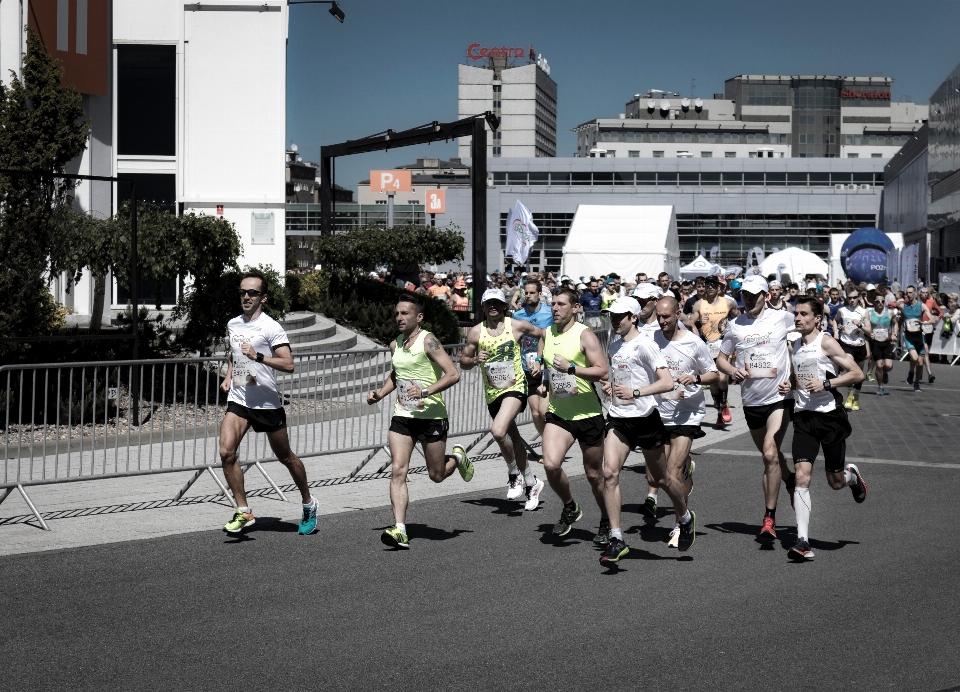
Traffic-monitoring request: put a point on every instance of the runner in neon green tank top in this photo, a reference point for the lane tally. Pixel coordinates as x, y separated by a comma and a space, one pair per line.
421, 370
494, 345
574, 361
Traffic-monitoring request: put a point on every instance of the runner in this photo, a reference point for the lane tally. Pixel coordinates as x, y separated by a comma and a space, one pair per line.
494, 344
421, 370
574, 361
819, 421
638, 372
913, 313
834, 305
849, 324
682, 409
711, 315
927, 326
647, 295
539, 315
777, 301
258, 346
756, 341
881, 329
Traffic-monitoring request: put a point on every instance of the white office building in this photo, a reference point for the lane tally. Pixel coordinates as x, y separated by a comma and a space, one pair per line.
760, 116
188, 99
524, 97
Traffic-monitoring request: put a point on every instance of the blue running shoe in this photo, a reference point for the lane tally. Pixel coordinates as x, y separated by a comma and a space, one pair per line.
308, 523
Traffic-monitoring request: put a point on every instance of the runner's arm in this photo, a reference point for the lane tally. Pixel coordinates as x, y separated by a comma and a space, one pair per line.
693, 323
734, 312
590, 346
468, 359
282, 358
438, 355
852, 374
389, 384
727, 368
225, 385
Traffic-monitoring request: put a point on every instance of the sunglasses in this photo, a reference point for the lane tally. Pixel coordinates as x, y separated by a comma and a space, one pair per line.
250, 292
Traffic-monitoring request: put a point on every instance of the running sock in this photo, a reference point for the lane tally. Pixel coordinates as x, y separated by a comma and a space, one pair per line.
402, 527
246, 510
310, 504
570, 505
686, 518
802, 507
857, 386
772, 513
616, 533
458, 458
512, 469
851, 477
653, 495
528, 477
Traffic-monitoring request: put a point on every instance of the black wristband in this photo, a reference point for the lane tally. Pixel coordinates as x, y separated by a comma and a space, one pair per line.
698, 380
827, 384
259, 357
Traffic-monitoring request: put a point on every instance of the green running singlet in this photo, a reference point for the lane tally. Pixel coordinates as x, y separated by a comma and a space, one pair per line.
571, 397
413, 364
503, 369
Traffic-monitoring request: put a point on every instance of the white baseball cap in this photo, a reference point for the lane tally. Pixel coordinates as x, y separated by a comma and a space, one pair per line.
647, 290
774, 283
812, 285
754, 284
493, 294
581, 287
624, 305
871, 287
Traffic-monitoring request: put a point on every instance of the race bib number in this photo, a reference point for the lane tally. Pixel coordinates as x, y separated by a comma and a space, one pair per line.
676, 393
530, 359
759, 362
242, 376
407, 402
620, 378
913, 325
500, 375
927, 327
880, 334
714, 348
563, 384
806, 371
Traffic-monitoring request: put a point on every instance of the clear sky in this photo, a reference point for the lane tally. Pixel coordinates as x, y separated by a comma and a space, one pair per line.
393, 65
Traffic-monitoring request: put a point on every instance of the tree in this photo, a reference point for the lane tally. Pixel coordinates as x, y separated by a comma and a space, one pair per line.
42, 128
364, 249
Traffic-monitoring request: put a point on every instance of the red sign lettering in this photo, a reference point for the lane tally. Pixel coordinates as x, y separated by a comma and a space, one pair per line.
476, 52
850, 94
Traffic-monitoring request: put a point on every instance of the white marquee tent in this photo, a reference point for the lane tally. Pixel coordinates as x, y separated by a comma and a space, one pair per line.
623, 239
701, 266
797, 264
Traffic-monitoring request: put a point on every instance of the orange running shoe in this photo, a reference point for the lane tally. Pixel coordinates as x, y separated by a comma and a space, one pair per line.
768, 530
725, 414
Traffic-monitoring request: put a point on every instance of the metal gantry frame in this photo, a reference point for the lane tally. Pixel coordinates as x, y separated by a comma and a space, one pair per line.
474, 126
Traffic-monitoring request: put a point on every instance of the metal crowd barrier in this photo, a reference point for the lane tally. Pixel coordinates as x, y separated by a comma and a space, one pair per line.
69, 422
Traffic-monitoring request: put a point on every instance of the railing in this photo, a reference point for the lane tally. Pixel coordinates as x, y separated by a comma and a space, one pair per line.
84, 421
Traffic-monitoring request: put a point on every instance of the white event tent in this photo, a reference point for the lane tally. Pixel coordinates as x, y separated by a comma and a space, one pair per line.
701, 266
623, 239
797, 264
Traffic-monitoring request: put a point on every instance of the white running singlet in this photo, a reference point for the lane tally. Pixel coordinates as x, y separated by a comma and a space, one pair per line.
850, 323
810, 363
254, 384
687, 356
760, 346
633, 364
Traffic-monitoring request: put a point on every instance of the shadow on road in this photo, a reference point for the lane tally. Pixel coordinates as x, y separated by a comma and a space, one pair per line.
512, 508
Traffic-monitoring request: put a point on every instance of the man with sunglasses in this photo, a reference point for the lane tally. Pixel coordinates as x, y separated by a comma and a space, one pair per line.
848, 324
258, 347
882, 331
711, 316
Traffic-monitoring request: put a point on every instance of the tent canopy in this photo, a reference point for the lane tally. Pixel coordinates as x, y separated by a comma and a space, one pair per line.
700, 267
797, 263
623, 239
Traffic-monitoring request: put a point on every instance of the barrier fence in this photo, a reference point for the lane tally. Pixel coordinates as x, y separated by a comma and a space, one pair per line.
71, 422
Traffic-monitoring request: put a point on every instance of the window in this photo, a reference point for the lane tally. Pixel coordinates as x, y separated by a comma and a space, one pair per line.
147, 100
753, 154
706, 154
644, 178
853, 156
611, 153
658, 154
730, 154
633, 154
876, 156
496, 151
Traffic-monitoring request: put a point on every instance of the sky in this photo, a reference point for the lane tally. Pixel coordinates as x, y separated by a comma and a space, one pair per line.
393, 65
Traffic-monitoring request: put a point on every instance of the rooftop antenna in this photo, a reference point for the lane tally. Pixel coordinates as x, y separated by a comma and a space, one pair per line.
693, 85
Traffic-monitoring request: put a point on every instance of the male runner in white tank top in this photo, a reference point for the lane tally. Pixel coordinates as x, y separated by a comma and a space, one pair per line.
819, 420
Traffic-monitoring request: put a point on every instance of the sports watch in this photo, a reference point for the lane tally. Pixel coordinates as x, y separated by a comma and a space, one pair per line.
259, 357
827, 384
636, 393
571, 369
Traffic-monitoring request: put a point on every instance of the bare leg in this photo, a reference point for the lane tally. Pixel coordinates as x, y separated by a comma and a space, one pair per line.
556, 442
232, 431
615, 453
678, 457
593, 467
440, 465
768, 440
656, 460
280, 444
538, 409
506, 434
401, 447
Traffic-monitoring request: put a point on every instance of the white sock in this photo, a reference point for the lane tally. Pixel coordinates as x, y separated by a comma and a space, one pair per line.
528, 477
458, 456
245, 510
851, 477
653, 495
802, 506
312, 500
402, 527
686, 518
616, 533
512, 469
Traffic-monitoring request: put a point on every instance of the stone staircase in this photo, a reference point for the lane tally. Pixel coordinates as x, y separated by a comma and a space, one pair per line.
313, 333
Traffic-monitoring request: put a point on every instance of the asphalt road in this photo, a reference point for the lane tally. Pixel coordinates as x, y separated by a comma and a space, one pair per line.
483, 600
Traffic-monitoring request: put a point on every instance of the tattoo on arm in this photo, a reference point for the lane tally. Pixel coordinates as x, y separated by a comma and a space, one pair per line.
433, 343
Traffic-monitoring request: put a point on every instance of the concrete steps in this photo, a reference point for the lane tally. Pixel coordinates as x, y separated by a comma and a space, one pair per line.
313, 333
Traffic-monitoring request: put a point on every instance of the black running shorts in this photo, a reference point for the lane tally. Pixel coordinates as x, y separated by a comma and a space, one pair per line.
533, 383
262, 420
756, 416
694, 432
813, 430
881, 350
858, 353
494, 406
914, 341
647, 432
586, 431
421, 429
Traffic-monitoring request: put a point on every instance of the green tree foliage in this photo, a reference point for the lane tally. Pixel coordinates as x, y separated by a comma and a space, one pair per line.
367, 248
42, 127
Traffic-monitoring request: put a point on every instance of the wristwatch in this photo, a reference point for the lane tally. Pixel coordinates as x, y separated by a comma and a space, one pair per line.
698, 380
636, 393
259, 357
571, 369
827, 384
424, 393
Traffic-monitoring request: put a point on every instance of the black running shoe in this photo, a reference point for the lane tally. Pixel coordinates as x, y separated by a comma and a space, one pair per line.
649, 508
688, 533
615, 550
801, 551
859, 489
567, 518
930, 379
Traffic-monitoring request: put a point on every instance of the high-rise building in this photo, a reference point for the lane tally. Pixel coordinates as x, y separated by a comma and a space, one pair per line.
523, 96
765, 116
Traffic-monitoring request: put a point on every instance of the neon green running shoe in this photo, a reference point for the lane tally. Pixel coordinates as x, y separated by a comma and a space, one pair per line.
465, 467
241, 520
395, 538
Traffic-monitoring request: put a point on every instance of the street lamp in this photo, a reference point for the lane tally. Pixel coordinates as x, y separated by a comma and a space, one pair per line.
334, 7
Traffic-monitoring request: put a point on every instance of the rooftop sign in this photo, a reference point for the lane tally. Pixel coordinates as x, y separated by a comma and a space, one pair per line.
476, 52
850, 94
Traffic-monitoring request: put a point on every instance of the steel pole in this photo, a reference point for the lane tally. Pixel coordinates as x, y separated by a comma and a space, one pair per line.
478, 172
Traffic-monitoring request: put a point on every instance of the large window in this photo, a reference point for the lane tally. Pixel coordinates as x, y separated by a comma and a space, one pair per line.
147, 100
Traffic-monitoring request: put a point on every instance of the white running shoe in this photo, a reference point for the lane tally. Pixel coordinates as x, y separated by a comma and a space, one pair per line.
688, 477
515, 487
674, 537
533, 495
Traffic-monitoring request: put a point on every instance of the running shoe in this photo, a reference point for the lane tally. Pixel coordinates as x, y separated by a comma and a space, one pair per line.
930, 379
674, 537
616, 549
886, 377
688, 533
649, 508
916, 388
910, 376
791, 483
533, 495
515, 487
567, 518
848, 404
801, 551
768, 530
725, 414
688, 476
856, 404
871, 378
241, 520
880, 391
859, 489
464, 467
395, 538
308, 522
603, 533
